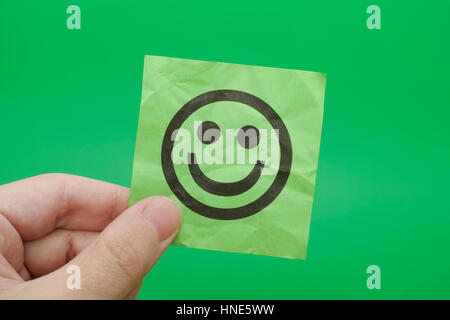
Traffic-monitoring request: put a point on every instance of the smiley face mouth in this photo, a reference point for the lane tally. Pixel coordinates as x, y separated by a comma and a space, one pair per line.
224, 188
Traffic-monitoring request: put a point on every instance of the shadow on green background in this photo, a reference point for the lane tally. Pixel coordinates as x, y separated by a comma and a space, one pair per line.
70, 103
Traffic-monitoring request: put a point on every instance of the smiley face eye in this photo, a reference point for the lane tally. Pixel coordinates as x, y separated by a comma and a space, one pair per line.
248, 137
208, 132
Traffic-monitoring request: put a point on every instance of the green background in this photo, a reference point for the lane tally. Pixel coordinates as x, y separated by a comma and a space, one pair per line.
69, 102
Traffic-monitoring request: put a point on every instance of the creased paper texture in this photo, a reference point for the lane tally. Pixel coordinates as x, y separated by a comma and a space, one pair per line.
236, 147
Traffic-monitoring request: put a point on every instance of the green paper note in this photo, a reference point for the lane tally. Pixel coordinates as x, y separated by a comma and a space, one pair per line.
236, 147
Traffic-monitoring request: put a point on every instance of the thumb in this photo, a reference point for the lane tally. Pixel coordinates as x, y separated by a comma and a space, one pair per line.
115, 264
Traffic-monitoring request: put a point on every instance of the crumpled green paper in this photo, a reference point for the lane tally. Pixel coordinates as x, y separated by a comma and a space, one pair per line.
269, 215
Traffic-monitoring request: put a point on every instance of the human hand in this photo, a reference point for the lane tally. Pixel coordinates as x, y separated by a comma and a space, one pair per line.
50, 220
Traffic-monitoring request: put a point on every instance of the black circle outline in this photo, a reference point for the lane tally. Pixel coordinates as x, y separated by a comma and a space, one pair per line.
285, 155
205, 126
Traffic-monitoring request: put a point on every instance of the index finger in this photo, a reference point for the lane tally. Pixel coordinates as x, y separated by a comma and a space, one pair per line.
38, 205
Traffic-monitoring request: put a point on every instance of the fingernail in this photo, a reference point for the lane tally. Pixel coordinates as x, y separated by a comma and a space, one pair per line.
164, 214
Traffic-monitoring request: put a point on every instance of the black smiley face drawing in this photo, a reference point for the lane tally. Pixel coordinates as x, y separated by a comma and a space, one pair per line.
221, 188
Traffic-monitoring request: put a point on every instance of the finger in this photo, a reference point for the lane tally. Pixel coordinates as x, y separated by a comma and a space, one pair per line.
7, 271
120, 257
23, 273
54, 250
11, 247
38, 205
